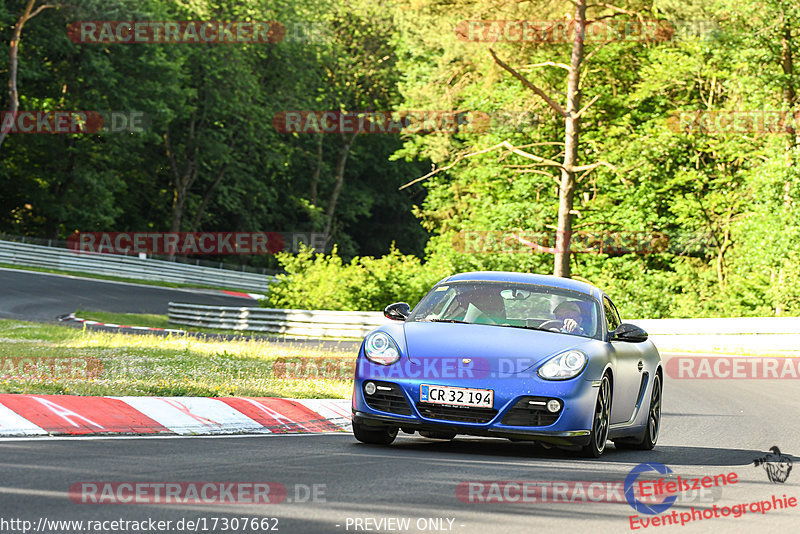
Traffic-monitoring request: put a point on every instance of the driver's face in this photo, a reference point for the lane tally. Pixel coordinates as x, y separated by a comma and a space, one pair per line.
569, 311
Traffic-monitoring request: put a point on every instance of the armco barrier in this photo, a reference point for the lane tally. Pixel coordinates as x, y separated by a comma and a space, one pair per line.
758, 335
130, 267
288, 322
746, 335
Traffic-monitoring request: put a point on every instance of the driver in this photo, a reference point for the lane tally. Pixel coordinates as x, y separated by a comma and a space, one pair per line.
569, 313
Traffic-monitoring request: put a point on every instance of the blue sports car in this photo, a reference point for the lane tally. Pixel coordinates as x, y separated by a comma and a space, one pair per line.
511, 355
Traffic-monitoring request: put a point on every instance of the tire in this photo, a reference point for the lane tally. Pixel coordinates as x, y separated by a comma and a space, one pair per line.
600, 422
376, 436
650, 436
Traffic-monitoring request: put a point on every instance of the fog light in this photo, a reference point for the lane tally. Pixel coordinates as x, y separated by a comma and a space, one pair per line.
369, 388
553, 405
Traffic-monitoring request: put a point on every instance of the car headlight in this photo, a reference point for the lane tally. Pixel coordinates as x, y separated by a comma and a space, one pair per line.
563, 366
380, 348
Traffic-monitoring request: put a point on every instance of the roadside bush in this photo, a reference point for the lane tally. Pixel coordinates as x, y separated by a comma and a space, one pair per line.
324, 282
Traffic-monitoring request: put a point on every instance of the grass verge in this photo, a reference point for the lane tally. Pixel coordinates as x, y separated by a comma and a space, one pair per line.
42, 358
162, 321
129, 319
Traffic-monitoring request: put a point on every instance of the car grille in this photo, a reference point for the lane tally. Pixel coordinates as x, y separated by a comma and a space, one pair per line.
462, 414
525, 414
389, 400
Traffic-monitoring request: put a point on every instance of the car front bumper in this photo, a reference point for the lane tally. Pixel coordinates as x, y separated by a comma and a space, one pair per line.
570, 426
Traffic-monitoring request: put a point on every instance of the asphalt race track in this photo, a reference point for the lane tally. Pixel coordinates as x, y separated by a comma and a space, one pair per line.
43, 297
710, 427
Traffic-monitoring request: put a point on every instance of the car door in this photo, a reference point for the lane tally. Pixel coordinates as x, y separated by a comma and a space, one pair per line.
627, 376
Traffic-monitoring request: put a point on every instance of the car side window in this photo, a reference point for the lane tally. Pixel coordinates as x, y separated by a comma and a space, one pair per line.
612, 317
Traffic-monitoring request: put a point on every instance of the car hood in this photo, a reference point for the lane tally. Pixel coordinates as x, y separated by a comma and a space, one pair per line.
491, 348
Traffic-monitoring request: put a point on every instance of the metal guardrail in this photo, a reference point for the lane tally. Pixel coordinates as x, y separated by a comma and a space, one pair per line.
214, 264
27, 255
310, 323
739, 335
756, 335
725, 326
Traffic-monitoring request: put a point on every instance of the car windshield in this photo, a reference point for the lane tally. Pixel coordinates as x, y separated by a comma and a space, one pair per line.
511, 304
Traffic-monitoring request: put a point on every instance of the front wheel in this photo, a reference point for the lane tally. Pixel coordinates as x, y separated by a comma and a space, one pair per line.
654, 417
648, 440
374, 436
602, 418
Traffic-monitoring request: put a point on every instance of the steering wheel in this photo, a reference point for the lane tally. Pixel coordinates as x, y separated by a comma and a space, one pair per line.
554, 324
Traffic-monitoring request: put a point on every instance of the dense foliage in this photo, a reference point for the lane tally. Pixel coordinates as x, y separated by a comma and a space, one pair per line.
718, 206
211, 160
324, 282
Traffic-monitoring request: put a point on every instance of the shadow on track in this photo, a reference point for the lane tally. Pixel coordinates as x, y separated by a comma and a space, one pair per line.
502, 449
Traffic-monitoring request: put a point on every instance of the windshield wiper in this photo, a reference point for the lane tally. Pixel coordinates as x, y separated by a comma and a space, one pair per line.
497, 324
527, 327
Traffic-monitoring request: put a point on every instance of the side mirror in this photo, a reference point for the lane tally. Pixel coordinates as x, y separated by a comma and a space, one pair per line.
399, 311
628, 332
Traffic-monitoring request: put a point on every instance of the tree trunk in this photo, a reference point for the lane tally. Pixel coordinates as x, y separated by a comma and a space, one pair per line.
181, 181
790, 98
317, 170
337, 189
726, 243
207, 198
13, 60
59, 189
566, 189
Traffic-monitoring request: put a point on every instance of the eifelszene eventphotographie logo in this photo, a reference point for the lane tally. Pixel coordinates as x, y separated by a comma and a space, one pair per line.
630, 486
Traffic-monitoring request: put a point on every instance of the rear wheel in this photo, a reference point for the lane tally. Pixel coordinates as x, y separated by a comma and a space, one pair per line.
374, 435
602, 418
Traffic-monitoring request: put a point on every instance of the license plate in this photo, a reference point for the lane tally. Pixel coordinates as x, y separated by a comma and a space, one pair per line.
481, 398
